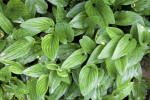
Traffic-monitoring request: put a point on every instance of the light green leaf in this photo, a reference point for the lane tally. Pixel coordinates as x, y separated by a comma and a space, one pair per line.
2, 45
5, 24
99, 8
121, 64
114, 32
50, 45
75, 75
64, 32
62, 73
125, 45
128, 2
100, 76
5, 74
76, 10
109, 2
88, 78
39, 24
36, 70
41, 6
103, 38
79, 20
108, 49
125, 18
62, 2
87, 44
16, 68
93, 59
138, 71
17, 49
30, 4
75, 59
124, 91
42, 84
52, 66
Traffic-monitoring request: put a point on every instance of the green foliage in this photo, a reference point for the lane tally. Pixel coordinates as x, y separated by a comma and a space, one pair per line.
73, 49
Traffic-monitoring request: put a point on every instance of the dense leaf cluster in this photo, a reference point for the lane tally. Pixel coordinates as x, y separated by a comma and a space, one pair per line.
73, 49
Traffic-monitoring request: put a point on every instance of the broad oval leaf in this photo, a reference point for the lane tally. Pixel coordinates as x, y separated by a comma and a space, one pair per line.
39, 24
99, 8
5, 74
75, 59
87, 44
50, 45
17, 49
16, 68
88, 78
5, 24
125, 45
42, 84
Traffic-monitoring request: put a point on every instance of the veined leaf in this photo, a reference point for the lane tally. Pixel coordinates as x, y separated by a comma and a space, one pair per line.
16, 68
100, 76
52, 66
41, 6
76, 10
103, 39
50, 45
109, 2
125, 45
114, 32
5, 74
99, 8
17, 49
87, 44
42, 84
36, 70
5, 24
88, 78
64, 32
39, 24
62, 73
2, 45
30, 4
75, 59
62, 2
138, 71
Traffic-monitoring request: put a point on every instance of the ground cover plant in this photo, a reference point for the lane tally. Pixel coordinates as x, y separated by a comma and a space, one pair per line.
73, 49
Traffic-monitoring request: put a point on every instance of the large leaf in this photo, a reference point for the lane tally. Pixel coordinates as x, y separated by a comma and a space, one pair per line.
76, 10
16, 68
39, 24
125, 45
30, 4
50, 45
17, 49
75, 59
88, 78
36, 70
99, 8
125, 18
87, 44
42, 84
5, 24
62, 2
64, 32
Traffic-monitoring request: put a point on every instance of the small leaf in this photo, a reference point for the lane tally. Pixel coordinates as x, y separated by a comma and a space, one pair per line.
75, 59
52, 66
87, 44
36, 70
103, 39
88, 78
50, 45
43, 24
62, 2
42, 84
125, 45
5, 74
138, 71
62, 73
5, 24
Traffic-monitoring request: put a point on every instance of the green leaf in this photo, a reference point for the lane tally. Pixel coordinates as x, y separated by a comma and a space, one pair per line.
52, 66
128, 2
16, 9
100, 76
42, 84
87, 44
125, 18
93, 59
39, 24
121, 64
75, 59
67, 79
103, 38
139, 90
59, 91
124, 91
2, 45
107, 97
65, 50
109, 82
109, 2
108, 49
41, 6
50, 45
138, 71
36, 70
5, 24
114, 32
111, 68
125, 45
76, 10
64, 32
141, 5
88, 78
17, 49
79, 21
62, 2
5, 74
99, 8
62, 73
54, 81
75, 75
16, 68
30, 4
